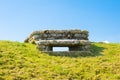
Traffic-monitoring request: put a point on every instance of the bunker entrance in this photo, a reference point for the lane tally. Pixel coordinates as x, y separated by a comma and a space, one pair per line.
55, 49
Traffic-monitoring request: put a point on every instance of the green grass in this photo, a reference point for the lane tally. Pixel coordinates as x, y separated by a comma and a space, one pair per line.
22, 61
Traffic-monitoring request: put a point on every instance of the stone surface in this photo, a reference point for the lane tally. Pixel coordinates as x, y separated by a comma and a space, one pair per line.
63, 42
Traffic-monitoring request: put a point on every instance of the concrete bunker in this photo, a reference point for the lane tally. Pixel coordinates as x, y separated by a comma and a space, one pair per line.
75, 40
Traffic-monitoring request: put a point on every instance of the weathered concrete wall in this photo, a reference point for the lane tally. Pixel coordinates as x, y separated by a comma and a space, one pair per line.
73, 45
57, 34
61, 42
76, 40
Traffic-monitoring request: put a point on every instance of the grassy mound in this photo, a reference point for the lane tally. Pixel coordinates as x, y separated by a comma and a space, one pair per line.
21, 61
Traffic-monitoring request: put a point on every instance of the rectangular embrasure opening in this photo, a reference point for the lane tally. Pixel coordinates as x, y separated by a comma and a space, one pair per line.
60, 48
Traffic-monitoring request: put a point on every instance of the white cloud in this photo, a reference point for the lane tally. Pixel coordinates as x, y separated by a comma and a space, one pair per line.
106, 41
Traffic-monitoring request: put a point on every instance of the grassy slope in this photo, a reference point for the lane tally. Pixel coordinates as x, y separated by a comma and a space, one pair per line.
21, 61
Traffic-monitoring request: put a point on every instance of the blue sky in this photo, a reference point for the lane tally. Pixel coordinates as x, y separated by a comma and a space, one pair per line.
18, 18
